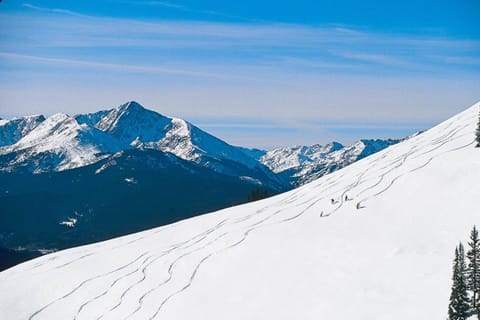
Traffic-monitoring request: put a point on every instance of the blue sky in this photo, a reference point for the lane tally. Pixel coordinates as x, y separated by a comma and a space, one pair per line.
255, 73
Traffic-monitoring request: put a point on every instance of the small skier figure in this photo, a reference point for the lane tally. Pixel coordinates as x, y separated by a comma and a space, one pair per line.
358, 205
346, 198
332, 200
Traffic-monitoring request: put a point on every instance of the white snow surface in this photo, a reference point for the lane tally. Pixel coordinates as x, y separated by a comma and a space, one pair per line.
292, 256
14, 129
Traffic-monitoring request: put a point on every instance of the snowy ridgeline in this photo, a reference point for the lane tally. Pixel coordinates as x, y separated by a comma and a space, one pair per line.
303, 164
62, 142
292, 256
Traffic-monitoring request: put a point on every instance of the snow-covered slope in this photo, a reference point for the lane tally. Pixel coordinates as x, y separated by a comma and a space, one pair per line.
58, 143
303, 164
292, 256
15, 129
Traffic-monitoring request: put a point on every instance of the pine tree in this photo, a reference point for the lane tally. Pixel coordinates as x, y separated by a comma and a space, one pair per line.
477, 133
473, 270
452, 307
459, 303
257, 194
462, 283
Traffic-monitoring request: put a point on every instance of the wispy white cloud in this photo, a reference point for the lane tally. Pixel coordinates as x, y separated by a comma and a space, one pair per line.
167, 4
461, 60
190, 9
279, 47
109, 66
376, 58
263, 34
54, 10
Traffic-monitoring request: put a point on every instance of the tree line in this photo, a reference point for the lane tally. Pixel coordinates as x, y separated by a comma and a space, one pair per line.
465, 292
477, 133
257, 194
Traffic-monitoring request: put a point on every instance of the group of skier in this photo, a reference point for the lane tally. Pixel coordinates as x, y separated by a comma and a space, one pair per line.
358, 206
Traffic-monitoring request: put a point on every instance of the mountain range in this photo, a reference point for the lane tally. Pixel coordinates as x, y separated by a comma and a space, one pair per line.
61, 142
302, 164
71, 180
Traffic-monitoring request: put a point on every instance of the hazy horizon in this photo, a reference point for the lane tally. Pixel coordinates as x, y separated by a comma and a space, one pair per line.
234, 130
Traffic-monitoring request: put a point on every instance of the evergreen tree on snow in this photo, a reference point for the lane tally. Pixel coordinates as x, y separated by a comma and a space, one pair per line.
477, 134
257, 194
473, 270
459, 302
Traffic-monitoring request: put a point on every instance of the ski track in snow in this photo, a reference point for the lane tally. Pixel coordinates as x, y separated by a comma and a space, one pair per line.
81, 285
252, 227
196, 239
242, 239
233, 231
391, 182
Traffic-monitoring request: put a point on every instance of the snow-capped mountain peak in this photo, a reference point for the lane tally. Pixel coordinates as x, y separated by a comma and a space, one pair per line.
128, 122
302, 164
62, 142
55, 127
11, 131
58, 143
